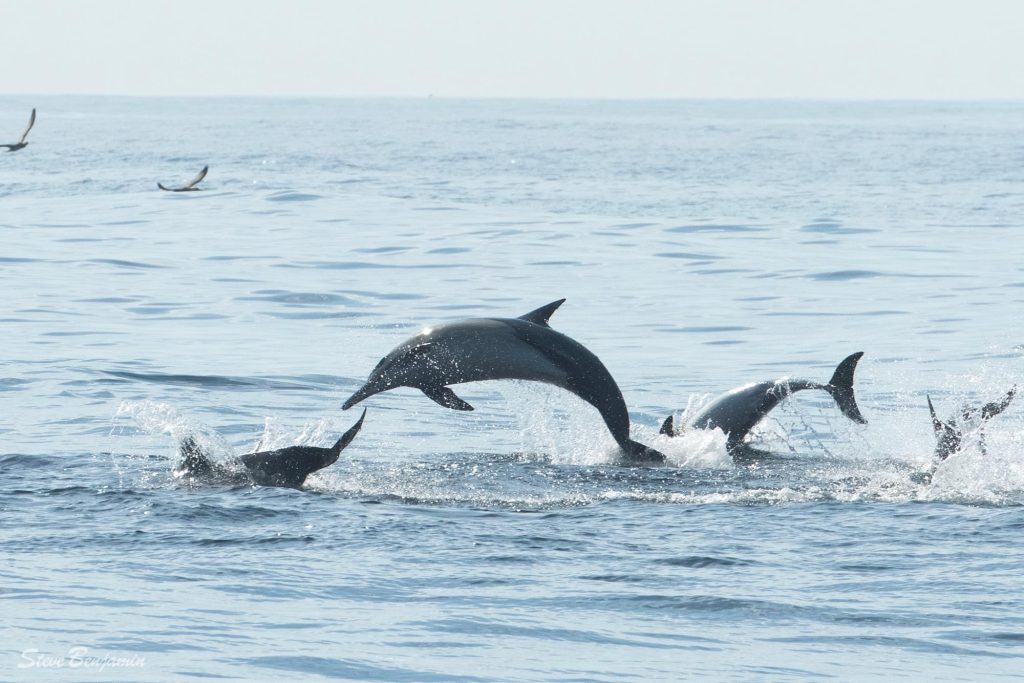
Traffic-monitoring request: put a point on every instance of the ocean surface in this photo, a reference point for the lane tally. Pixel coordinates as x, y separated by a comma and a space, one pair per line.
700, 246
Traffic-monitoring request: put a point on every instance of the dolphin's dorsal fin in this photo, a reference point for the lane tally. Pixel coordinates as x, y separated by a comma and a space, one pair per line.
540, 316
667, 427
447, 398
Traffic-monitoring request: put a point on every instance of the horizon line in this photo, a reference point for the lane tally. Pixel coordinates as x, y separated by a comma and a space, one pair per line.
549, 98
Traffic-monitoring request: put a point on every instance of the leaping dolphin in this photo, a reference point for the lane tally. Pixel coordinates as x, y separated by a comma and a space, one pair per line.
189, 186
285, 467
21, 143
738, 411
949, 435
524, 348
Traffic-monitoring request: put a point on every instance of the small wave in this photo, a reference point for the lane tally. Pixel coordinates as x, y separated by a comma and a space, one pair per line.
25, 461
715, 228
348, 669
831, 228
298, 298
203, 380
703, 561
689, 256
289, 196
120, 263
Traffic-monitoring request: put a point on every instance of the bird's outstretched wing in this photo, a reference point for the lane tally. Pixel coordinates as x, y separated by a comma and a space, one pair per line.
31, 122
188, 187
195, 181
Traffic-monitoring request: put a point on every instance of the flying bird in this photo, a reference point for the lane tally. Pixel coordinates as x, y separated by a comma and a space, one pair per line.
190, 187
21, 142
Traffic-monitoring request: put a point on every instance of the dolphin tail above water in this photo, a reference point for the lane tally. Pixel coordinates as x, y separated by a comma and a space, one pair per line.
346, 438
285, 467
840, 387
949, 435
990, 410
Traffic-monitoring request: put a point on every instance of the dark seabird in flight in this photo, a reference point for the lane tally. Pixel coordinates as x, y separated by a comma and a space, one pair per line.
191, 186
21, 142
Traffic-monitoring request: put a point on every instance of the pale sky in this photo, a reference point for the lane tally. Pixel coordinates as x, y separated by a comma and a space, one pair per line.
855, 49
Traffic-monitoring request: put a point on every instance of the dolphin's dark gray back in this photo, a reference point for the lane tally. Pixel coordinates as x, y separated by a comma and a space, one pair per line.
585, 374
586, 377
738, 411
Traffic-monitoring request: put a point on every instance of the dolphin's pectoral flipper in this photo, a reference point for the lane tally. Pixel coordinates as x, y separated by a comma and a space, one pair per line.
447, 398
667, 427
541, 315
841, 387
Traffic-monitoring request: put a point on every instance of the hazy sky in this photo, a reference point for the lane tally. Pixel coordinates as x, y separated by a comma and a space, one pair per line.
934, 49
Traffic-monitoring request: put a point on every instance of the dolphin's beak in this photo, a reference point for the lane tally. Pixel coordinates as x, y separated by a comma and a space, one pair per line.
365, 391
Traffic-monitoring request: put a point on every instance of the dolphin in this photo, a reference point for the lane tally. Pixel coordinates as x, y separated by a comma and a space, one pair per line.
738, 411
21, 143
524, 348
949, 435
190, 186
285, 467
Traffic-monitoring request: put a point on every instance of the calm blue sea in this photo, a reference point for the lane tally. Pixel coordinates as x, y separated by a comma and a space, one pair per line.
700, 246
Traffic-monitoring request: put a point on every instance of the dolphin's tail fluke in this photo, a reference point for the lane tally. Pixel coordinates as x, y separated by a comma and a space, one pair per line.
990, 410
347, 437
639, 454
841, 388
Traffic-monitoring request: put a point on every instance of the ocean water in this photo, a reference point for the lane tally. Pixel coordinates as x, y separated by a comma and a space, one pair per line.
699, 245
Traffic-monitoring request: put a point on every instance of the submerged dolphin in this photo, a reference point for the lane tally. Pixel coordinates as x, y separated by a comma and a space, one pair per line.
504, 348
738, 411
189, 186
21, 143
949, 435
286, 467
